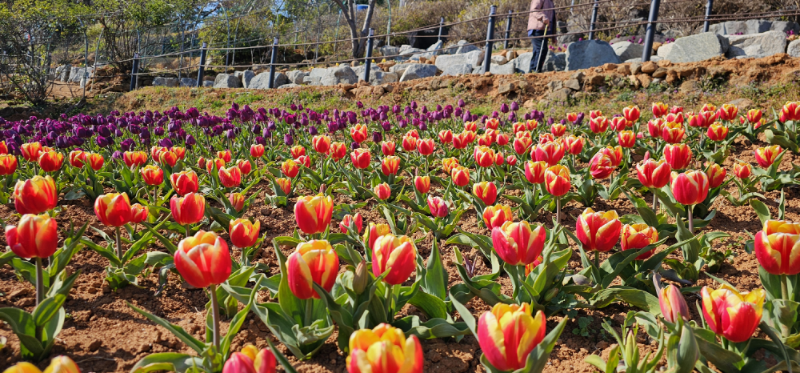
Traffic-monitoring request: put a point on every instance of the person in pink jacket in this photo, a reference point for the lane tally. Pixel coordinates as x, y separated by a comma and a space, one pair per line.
541, 18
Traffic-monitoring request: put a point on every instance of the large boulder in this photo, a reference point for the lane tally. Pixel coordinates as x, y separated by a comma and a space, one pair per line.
552, 62
64, 73
410, 51
589, 53
359, 70
756, 45
475, 57
785, 26
794, 48
227, 81
338, 75
458, 69
208, 84
246, 77
502, 69
380, 77
261, 81
389, 50
418, 71
161, 81
188, 82
752, 26
447, 60
400, 68
465, 47
296, 76
692, 48
626, 50
315, 76
435, 47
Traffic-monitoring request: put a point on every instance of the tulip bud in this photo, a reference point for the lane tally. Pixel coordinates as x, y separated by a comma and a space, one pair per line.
690, 187
551, 152
653, 174
239, 363
313, 261
390, 165
184, 182
358, 133
660, 109
497, 215
777, 247
742, 170
62, 364
460, 176
731, 314
265, 361
673, 305
422, 184
384, 349
484, 156
717, 132
638, 236
35, 236
113, 209
8, 164
517, 243
485, 191
716, 175
387, 148
313, 213
30, 151
225, 155
321, 144
188, 209
679, 156
244, 166
631, 113
598, 231
152, 175
36, 195
95, 161
348, 219
508, 333
360, 158
448, 164
373, 232
601, 166
394, 255
237, 201
139, 213
203, 259
426, 147
51, 161
767, 155
360, 278
383, 191
557, 180
256, 150
290, 168
230, 177
23, 367
437, 206
243, 232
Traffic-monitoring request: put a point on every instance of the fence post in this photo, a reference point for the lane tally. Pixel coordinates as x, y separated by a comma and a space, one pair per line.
368, 64
441, 25
201, 69
594, 19
651, 30
508, 30
487, 58
134, 71
272, 63
709, 5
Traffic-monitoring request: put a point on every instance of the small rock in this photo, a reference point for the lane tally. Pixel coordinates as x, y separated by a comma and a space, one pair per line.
25, 302
636, 68
742, 103
660, 73
601, 345
145, 347
506, 88
19, 293
573, 84
95, 345
555, 85
649, 67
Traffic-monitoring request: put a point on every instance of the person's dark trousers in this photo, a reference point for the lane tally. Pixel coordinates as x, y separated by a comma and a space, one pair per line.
539, 47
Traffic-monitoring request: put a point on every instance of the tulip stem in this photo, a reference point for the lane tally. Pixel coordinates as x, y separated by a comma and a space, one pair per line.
119, 244
655, 203
308, 312
39, 282
187, 231
388, 301
784, 288
214, 315
558, 211
691, 220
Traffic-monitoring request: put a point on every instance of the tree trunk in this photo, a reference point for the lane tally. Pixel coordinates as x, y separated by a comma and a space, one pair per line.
358, 37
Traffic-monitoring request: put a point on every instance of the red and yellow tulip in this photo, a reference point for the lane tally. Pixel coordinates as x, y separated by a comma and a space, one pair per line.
312, 262
508, 333
690, 187
313, 213
35, 236
188, 209
395, 256
243, 232
184, 182
497, 215
36, 195
731, 314
384, 349
638, 236
203, 259
777, 247
598, 231
518, 243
